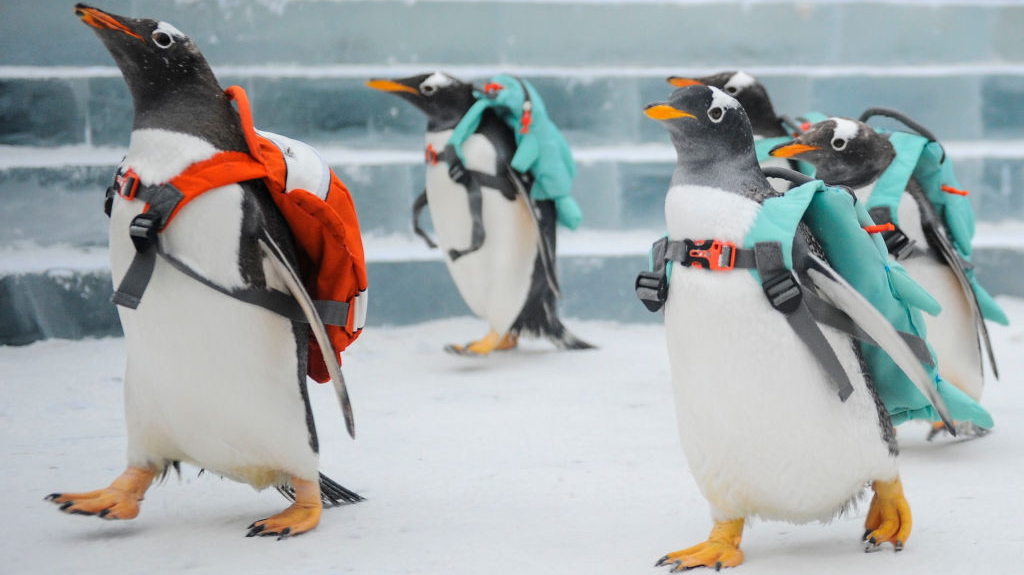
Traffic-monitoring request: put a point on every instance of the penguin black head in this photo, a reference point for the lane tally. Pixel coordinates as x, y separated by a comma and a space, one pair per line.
749, 92
843, 152
713, 140
443, 98
171, 83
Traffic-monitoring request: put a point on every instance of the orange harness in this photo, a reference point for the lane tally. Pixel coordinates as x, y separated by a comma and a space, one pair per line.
326, 233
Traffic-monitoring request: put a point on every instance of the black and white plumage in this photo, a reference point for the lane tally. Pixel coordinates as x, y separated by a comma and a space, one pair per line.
210, 380
764, 434
508, 278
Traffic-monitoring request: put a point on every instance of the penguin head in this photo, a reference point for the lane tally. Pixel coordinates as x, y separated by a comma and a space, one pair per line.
155, 58
748, 91
843, 151
443, 98
704, 123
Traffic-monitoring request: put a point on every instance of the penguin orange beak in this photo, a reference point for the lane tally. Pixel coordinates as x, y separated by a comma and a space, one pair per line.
791, 150
102, 20
665, 112
391, 86
680, 82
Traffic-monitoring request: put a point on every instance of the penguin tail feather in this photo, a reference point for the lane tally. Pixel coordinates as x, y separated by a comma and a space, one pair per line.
332, 493
567, 340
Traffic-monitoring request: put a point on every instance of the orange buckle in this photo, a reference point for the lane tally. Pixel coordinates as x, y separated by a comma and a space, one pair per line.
431, 155
127, 184
491, 90
710, 254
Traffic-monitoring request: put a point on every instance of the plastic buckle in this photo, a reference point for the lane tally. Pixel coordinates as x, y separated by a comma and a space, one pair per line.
431, 155
143, 230
652, 289
127, 184
491, 90
783, 292
898, 244
710, 254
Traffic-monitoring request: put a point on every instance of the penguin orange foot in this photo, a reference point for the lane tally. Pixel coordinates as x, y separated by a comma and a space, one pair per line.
722, 549
118, 501
485, 345
888, 517
301, 516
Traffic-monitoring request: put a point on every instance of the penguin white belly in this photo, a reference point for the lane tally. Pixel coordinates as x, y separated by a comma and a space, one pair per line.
494, 280
210, 380
952, 332
763, 431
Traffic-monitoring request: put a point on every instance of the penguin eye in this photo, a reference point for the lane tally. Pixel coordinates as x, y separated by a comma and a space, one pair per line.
716, 114
162, 39
428, 89
731, 89
838, 144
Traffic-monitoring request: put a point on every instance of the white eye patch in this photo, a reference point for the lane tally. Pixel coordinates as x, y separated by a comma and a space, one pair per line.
739, 81
845, 129
722, 100
169, 29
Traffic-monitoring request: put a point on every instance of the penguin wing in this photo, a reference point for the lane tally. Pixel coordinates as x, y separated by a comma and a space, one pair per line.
936, 237
842, 295
275, 256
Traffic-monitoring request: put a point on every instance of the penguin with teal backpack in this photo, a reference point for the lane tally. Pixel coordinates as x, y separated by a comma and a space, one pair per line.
779, 311
498, 180
907, 184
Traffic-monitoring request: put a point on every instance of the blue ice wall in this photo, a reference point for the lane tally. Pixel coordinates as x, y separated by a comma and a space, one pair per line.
957, 67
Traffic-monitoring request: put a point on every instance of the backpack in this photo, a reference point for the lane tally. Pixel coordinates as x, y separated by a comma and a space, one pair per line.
314, 202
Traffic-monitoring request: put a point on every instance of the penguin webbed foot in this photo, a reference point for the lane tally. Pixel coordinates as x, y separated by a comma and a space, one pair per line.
965, 430
889, 519
120, 500
722, 549
301, 516
485, 345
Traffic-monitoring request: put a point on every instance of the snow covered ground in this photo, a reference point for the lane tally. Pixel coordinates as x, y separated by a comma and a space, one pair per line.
529, 462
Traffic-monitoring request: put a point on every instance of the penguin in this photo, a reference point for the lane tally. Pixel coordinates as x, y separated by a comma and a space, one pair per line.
764, 435
850, 153
210, 380
769, 128
507, 276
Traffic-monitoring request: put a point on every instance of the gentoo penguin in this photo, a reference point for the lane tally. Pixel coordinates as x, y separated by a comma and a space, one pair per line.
503, 260
763, 433
210, 380
769, 128
850, 153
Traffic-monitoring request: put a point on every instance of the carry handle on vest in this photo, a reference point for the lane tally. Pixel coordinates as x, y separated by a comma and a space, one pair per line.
788, 175
906, 121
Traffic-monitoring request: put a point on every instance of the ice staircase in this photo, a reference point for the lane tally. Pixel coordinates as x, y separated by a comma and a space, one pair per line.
65, 116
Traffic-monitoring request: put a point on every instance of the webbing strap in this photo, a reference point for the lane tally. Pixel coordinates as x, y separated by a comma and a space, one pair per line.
475, 181
896, 241
417, 209
784, 294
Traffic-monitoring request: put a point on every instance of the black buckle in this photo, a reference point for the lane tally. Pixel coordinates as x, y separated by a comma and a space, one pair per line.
783, 292
143, 230
652, 289
108, 199
898, 244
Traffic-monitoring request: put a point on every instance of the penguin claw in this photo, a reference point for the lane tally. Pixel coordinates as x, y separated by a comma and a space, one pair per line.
255, 530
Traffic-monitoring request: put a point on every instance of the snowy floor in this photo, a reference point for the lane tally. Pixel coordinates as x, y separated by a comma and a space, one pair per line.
529, 462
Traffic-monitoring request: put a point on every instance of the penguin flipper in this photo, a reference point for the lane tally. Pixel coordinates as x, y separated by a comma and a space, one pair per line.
842, 295
937, 239
275, 256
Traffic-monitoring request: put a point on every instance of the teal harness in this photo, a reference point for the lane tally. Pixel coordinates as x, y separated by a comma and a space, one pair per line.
838, 222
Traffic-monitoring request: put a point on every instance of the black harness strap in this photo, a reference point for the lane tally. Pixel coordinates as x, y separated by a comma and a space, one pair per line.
784, 294
896, 241
474, 181
417, 209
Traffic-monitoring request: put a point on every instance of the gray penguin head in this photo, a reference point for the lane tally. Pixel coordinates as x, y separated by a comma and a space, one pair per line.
442, 97
713, 139
843, 151
748, 91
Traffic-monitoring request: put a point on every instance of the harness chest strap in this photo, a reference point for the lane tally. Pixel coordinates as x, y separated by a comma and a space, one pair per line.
164, 201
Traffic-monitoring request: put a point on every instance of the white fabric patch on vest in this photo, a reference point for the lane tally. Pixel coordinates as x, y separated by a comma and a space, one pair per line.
845, 129
307, 170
